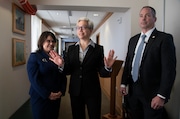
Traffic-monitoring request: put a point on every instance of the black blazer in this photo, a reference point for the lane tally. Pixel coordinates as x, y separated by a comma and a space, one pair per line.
158, 66
85, 76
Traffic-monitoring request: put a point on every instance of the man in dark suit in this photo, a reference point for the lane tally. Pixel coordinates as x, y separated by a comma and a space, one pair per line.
84, 62
151, 88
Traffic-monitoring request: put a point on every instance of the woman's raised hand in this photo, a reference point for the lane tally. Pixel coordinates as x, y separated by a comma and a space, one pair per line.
56, 58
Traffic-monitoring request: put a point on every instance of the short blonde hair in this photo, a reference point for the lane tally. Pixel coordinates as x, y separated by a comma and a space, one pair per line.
90, 23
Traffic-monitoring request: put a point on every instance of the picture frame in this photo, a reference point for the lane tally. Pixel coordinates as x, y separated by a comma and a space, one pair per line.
18, 19
18, 52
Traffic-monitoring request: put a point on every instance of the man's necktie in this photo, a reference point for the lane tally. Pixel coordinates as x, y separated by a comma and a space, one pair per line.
137, 59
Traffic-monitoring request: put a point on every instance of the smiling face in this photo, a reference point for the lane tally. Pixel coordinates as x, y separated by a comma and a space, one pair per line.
47, 41
49, 44
83, 29
147, 19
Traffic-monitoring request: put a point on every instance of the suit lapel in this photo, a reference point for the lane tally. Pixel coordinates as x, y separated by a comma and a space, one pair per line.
76, 53
132, 47
150, 41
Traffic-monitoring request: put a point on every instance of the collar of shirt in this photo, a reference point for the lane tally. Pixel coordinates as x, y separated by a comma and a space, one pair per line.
83, 53
90, 43
148, 34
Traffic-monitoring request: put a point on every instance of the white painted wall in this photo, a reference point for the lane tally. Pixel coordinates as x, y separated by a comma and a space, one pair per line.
115, 34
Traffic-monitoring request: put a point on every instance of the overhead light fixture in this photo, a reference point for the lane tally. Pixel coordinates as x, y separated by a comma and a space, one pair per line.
64, 26
95, 15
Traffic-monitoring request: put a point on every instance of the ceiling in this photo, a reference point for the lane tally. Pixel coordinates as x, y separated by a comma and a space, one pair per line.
63, 22
62, 19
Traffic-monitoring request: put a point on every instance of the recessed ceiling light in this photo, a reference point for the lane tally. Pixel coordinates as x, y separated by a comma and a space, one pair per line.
57, 13
95, 15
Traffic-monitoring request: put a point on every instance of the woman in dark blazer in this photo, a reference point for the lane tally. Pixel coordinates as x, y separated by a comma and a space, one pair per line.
84, 62
157, 69
48, 82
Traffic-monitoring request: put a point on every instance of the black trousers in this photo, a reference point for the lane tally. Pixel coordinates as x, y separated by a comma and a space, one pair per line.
140, 107
79, 104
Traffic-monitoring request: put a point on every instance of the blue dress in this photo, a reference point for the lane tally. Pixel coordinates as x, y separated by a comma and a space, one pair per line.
45, 77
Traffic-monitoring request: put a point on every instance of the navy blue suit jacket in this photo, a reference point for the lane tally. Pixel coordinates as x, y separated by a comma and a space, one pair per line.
158, 66
44, 76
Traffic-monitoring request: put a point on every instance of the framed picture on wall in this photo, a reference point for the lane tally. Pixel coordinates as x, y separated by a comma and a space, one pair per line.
18, 19
18, 52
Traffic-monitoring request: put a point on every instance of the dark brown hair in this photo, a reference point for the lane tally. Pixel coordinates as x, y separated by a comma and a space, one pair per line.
43, 38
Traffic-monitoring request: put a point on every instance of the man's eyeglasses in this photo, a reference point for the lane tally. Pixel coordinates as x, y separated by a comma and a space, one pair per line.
82, 27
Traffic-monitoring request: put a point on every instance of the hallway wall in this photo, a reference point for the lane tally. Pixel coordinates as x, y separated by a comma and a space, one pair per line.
14, 84
172, 25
